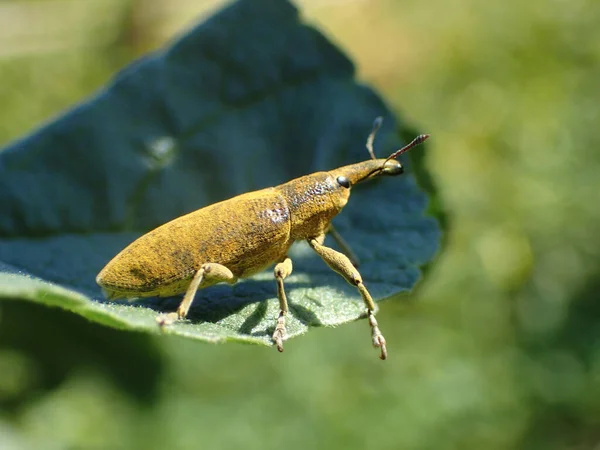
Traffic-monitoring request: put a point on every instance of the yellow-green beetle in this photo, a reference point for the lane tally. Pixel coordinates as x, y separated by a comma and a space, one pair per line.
241, 236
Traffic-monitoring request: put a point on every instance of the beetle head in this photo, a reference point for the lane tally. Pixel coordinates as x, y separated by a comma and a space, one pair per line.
375, 167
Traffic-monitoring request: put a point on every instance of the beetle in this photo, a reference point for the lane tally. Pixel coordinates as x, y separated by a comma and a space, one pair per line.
239, 237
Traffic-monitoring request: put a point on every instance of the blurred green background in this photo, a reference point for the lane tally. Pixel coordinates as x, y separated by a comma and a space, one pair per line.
499, 347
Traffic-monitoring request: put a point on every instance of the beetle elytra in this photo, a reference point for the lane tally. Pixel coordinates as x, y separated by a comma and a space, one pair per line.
241, 236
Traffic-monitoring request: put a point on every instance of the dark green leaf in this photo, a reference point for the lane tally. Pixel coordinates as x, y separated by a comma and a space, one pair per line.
249, 99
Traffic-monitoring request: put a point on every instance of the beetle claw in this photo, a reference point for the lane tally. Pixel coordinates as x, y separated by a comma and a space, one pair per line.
278, 338
279, 335
164, 320
279, 343
379, 341
377, 337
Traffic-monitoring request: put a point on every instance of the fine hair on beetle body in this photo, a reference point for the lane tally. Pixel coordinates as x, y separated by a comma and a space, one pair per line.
243, 235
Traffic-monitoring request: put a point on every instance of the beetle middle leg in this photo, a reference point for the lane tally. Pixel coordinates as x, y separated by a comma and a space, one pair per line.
282, 270
342, 265
209, 273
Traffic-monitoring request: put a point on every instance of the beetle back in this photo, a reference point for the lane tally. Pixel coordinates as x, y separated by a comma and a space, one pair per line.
245, 234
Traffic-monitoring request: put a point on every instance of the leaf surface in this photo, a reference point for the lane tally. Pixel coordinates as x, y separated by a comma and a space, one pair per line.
251, 98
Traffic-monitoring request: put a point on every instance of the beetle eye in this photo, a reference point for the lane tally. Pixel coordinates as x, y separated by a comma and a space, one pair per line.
343, 181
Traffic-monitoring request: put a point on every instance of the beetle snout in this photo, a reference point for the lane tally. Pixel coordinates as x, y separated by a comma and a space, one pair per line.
392, 167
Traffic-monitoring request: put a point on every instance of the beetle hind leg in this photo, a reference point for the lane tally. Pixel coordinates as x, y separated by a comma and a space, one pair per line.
209, 273
282, 270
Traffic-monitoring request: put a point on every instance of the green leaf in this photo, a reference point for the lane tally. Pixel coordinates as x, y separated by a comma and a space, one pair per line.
251, 98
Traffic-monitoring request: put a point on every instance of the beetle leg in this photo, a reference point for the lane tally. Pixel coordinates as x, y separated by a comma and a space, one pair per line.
343, 245
282, 270
209, 273
342, 265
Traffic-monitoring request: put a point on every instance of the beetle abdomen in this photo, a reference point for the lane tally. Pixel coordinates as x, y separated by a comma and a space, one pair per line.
245, 234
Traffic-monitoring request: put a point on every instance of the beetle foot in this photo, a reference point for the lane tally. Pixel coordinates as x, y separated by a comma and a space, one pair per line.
377, 337
280, 334
164, 320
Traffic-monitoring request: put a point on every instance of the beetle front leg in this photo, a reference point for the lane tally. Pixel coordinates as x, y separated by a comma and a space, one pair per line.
343, 245
209, 273
342, 265
282, 271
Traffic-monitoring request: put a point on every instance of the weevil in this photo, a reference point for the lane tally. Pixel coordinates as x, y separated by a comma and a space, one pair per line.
239, 237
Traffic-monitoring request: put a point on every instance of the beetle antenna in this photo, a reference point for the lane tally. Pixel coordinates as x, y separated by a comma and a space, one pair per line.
376, 125
416, 141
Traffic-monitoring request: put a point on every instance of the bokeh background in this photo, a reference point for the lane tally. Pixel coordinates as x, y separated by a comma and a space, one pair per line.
498, 348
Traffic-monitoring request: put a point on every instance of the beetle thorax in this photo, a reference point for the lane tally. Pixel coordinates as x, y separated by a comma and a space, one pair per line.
313, 200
